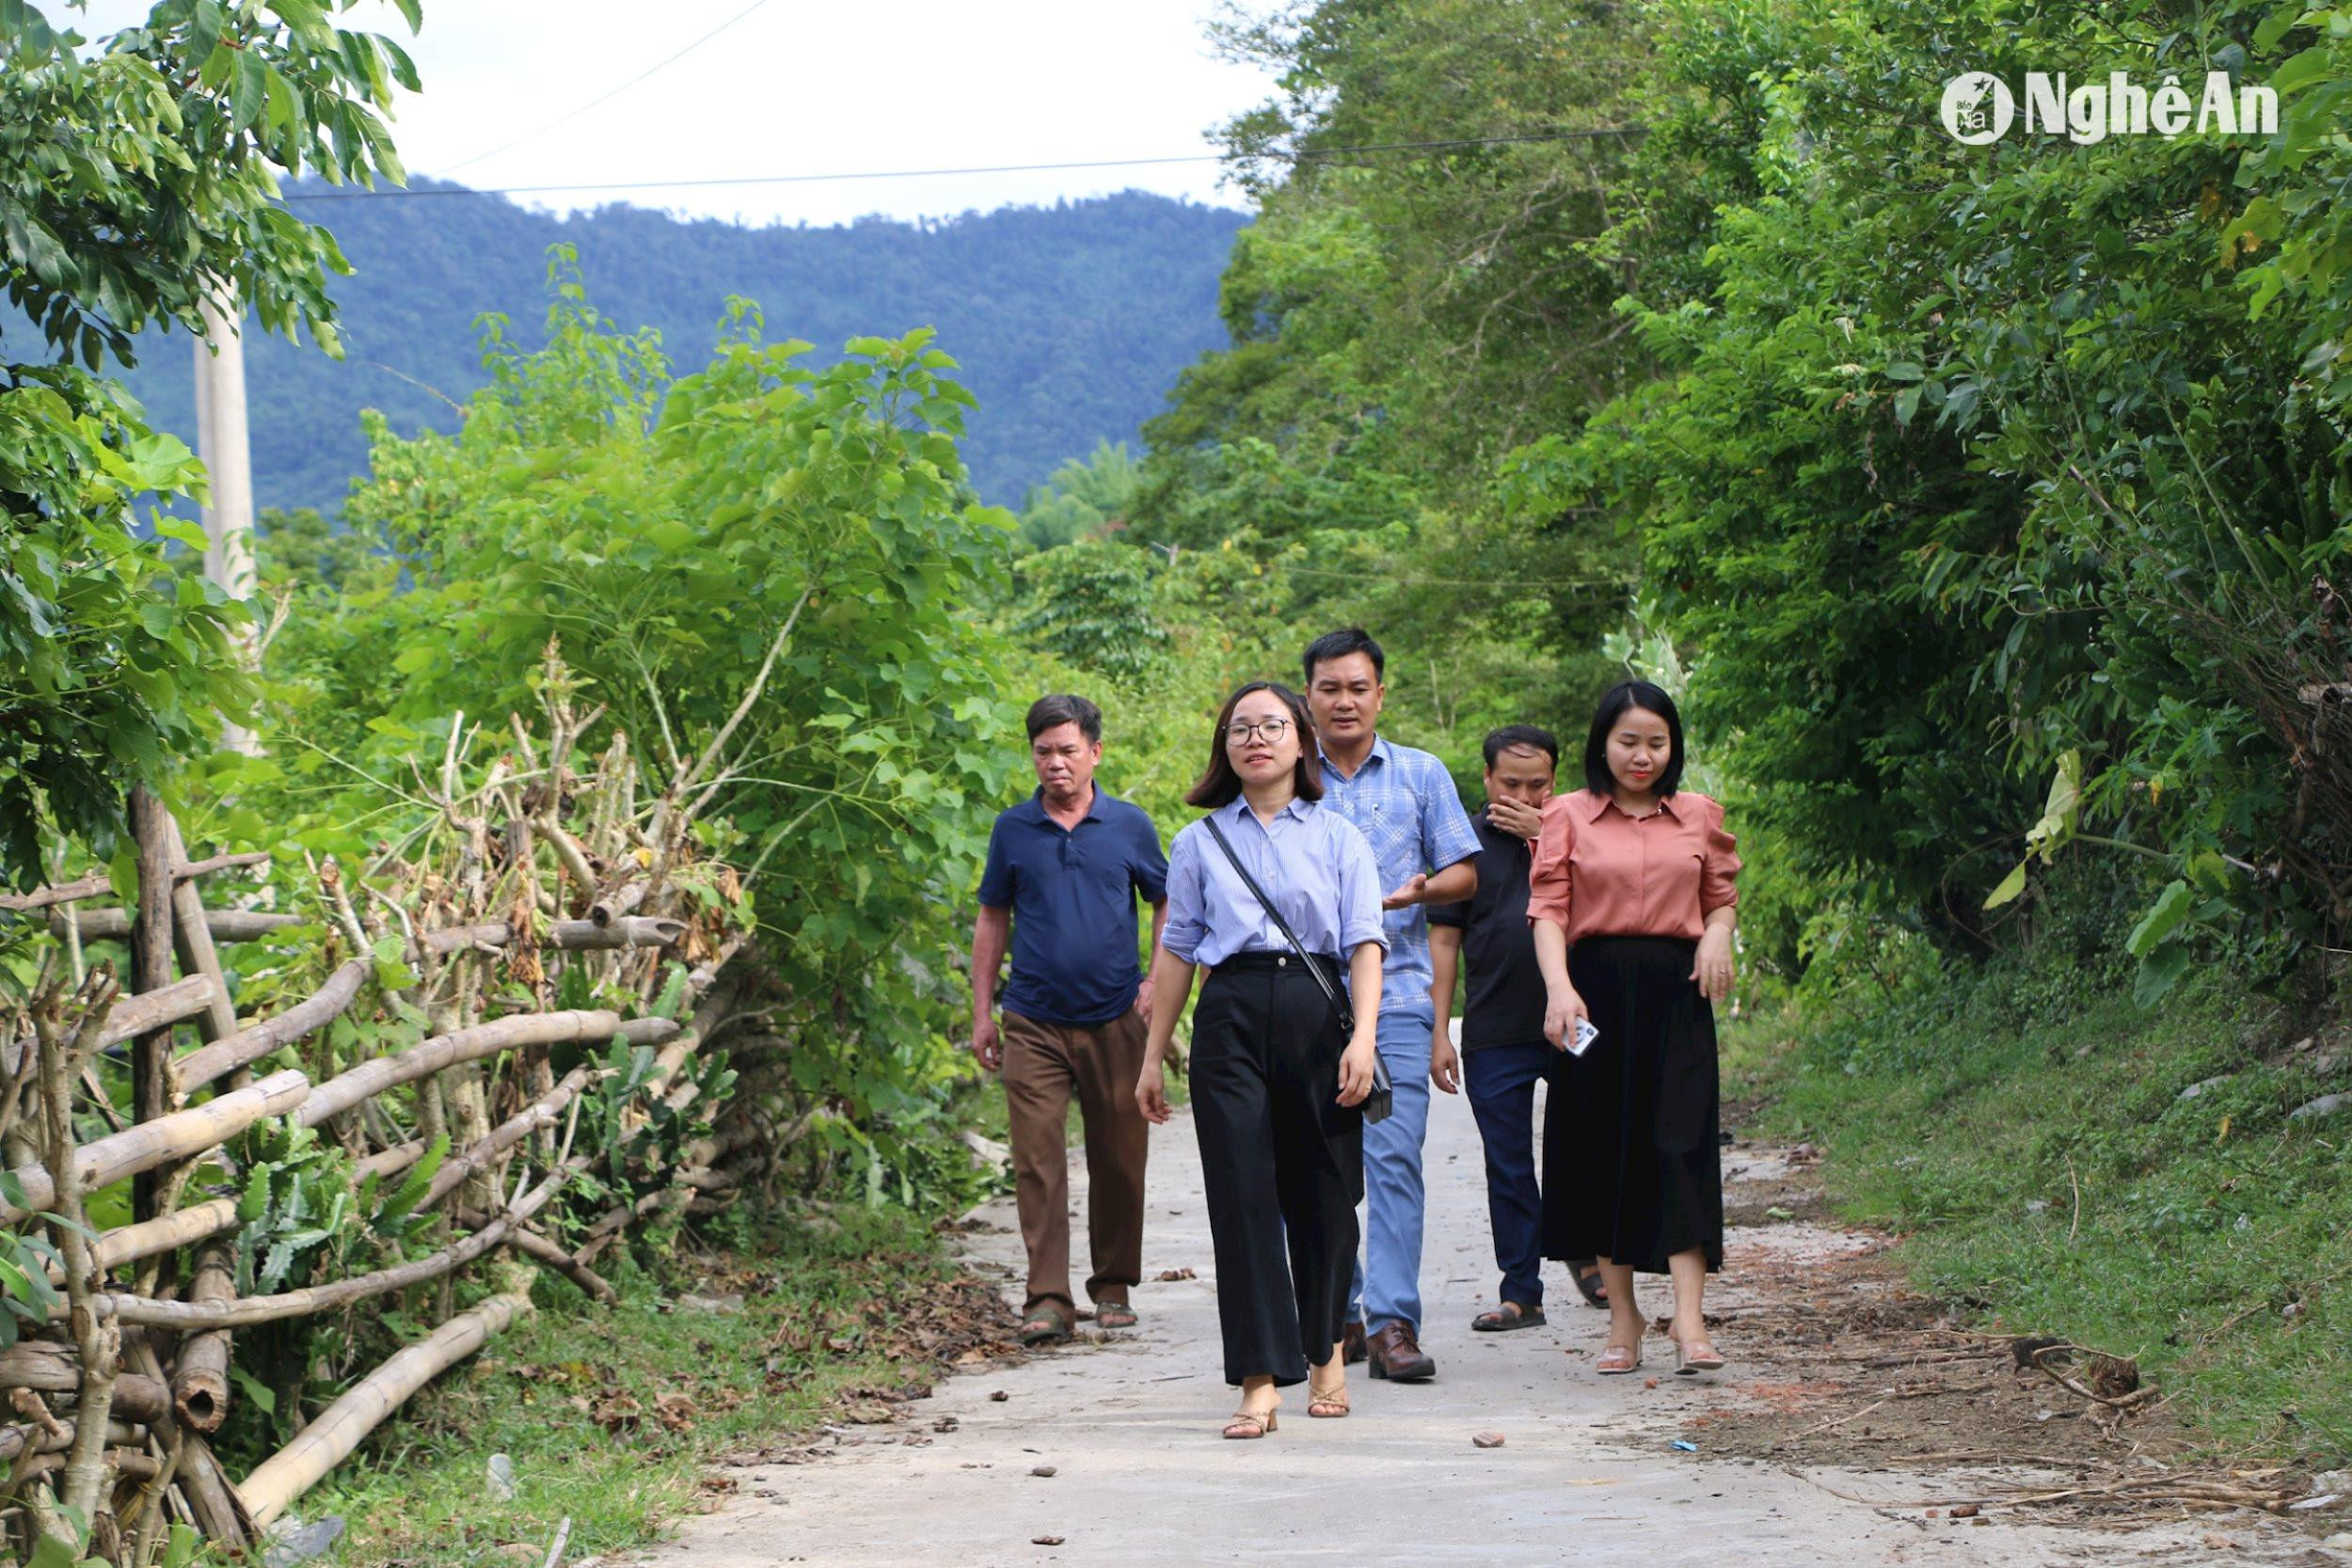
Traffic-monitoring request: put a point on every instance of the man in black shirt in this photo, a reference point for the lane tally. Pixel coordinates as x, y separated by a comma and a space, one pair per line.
1504, 1053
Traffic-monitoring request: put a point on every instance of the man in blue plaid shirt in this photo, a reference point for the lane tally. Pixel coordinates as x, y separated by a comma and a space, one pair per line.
1404, 801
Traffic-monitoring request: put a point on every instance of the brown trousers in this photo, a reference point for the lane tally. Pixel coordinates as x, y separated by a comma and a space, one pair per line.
1044, 1065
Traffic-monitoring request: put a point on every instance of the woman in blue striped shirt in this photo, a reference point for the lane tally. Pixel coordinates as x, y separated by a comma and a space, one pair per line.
1275, 1086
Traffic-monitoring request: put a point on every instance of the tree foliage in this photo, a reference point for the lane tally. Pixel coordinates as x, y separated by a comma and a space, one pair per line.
675, 536
135, 176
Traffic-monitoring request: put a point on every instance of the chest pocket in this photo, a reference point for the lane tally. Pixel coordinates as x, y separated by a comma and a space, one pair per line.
1392, 828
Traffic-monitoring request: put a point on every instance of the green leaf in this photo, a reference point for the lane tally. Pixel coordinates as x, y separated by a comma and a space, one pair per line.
2312, 65
264, 1398
2159, 972
2163, 918
1905, 369
2010, 886
248, 92
2278, 24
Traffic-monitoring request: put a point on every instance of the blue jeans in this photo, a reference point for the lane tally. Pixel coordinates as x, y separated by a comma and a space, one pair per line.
1387, 1283
1500, 1081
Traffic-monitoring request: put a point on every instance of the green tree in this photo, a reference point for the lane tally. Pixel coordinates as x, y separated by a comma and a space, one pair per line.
134, 177
757, 525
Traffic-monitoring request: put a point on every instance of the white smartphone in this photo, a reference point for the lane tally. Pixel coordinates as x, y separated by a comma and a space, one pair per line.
1586, 1035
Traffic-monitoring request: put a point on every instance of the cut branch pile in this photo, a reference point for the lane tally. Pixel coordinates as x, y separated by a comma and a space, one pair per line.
498, 1067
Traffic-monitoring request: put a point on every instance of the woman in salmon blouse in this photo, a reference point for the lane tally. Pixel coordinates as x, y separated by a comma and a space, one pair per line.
1632, 902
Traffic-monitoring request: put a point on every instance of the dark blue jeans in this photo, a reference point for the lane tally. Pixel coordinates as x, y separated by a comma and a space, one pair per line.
1500, 1079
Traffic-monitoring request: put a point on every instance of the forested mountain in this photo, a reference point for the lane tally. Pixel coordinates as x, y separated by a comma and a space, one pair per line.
1069, 322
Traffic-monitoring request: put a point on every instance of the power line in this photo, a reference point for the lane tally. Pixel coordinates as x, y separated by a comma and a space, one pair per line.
1453, 143
607, 98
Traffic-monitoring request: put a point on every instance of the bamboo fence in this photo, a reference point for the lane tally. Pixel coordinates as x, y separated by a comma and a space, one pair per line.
537, 876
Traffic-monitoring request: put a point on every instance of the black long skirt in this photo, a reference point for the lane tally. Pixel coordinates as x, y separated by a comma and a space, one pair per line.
1632, 1172
1282, 1160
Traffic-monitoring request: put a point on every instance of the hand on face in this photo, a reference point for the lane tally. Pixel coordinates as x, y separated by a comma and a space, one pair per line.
1517, 785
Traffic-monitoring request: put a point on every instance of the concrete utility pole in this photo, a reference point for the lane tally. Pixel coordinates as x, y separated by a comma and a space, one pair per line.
222, 443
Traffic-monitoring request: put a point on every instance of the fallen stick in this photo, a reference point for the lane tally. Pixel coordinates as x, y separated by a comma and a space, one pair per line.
91, 886
244, 1311
369, 1079
540, 1250
102, 1162
255, 1041
225, 925
199, 1377
135, 1015
136, 1398
328, 1440
540, 1113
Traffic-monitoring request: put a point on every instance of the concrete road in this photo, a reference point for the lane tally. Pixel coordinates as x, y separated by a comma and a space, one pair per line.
1141, 1479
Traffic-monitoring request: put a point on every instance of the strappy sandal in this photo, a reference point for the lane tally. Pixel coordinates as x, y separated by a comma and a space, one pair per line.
1113, 1314
1327, 1404
1507, 1318
1617, 1361
1696, 1355
1249, 1424
1048, 1325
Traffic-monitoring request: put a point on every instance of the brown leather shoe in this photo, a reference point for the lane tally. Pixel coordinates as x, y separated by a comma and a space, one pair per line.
1396, 1356
1351, 1344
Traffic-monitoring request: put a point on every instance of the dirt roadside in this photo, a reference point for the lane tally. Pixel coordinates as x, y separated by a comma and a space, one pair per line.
1854, 1420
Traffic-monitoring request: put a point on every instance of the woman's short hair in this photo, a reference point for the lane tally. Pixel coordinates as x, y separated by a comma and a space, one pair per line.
1219, 783
1621, 698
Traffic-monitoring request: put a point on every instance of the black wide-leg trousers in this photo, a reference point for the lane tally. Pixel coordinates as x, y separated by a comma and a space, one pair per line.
1282, 1162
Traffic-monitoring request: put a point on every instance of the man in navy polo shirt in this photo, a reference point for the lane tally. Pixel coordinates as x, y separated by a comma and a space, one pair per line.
1064, 868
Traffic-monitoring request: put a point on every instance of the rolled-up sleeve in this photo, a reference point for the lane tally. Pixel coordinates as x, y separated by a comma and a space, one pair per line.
1719, 867
1358, 875
1548, 889
1187, 896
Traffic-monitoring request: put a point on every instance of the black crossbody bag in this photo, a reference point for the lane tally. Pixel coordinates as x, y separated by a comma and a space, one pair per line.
1382, 1099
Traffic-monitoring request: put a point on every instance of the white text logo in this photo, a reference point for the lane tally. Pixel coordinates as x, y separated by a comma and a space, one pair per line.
1978, 108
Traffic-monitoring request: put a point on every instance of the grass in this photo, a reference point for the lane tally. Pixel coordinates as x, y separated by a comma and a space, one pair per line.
610, 1416
2023, 1129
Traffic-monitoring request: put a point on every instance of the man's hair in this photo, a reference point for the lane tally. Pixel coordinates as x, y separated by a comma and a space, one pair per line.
1050, 712
1522, 738
1338, 645
1623, 698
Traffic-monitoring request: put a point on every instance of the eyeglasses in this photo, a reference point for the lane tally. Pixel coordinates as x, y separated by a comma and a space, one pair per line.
1242, 731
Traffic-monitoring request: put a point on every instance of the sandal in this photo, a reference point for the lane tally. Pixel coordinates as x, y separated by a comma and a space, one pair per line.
1113, 1314
1589, 1283
1511, 1315
1046, 1325
1249, 1424
1617, 1361
1696, 1355
1327, 1404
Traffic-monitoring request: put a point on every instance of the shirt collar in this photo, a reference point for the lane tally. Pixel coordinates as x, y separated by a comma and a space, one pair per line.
1596, 802
1381, 752
1294, 808
1094, 810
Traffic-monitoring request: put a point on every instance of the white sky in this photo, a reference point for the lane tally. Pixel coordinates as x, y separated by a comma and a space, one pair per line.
807, 87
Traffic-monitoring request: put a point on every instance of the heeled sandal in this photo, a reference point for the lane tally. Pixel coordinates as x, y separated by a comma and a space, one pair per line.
1696, 1355
1618, 1360
1327, 1404
1249, 1424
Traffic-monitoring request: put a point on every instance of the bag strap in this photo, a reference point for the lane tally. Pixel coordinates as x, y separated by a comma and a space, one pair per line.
1347, 1014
